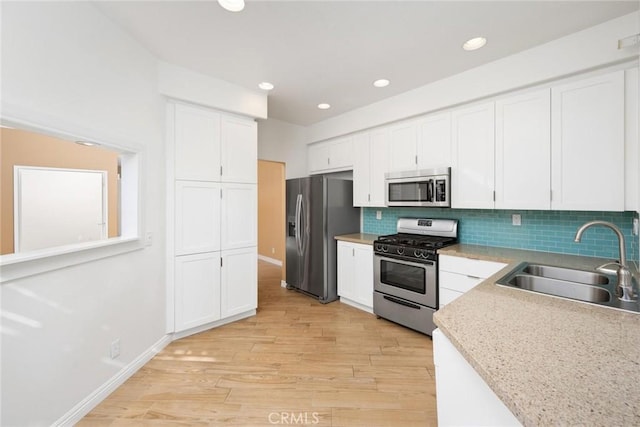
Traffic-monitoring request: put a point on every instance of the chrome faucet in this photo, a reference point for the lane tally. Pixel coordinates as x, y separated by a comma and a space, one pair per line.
624, 288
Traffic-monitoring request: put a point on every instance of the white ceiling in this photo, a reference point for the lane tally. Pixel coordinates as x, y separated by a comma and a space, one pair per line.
332, 51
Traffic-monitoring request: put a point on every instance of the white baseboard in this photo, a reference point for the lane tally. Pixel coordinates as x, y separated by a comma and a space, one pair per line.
270, 260
87, 404
215, 324
356, 305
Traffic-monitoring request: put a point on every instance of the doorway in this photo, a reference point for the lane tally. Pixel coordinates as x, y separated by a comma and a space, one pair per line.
271, 213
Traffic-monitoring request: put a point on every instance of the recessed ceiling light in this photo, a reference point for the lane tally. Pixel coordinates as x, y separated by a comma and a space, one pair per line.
324, 106
232, 5
474, 43
265, 86
381, 83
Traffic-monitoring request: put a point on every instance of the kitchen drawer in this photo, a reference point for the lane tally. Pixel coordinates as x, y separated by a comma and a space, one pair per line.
447, 296
458, 282
470, 267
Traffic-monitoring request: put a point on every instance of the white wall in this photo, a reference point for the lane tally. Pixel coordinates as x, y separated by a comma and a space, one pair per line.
283, 142
65, 65
593, 47
181, 83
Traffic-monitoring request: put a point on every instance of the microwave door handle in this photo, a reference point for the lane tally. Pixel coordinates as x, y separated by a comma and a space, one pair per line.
430, 191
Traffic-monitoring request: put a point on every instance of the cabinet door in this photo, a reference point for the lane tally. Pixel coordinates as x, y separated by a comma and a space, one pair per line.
434, 142
239, 216
472, 174
523, 151
379, 161
341, 153
197, 290
318, 157
239, 150
346, 270
463, 397
361, 170
402, 147
239, 290
197, 143
363, 257
197, 217
587, 144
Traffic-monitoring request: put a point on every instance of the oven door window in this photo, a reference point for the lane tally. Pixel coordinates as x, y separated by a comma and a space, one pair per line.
413, 191
403, 276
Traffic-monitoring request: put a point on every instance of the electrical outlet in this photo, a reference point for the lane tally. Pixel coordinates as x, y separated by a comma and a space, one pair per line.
516, 219
378, 214
273, 250
114, 350
148, 238
635, 226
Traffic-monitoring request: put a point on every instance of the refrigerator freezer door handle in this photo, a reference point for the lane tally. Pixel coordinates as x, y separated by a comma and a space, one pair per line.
298, 209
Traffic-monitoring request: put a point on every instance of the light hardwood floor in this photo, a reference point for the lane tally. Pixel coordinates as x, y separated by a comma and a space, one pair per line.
297, 362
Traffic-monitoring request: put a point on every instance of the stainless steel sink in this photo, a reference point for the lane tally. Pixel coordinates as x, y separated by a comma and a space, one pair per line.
561, 288
580, 285
569, 274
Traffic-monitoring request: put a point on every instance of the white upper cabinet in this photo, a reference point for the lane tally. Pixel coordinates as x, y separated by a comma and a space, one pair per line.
197, 143
239, 150
523, 151
472, 174
239, 216
369, 167
330, 156
403, 146
361, 169
587, 144
197, 217
434, 141
210, 146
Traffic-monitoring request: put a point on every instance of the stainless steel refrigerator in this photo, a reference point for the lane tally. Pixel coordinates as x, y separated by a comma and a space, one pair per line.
318, 209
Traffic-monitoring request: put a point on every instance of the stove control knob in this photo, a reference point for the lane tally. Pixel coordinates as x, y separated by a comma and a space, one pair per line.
385, 248
400, 251
416, 253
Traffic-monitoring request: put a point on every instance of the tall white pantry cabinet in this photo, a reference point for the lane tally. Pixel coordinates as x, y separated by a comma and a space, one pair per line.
212, 217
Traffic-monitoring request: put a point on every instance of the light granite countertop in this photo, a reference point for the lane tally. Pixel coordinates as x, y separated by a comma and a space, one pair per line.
552, 361
363, 238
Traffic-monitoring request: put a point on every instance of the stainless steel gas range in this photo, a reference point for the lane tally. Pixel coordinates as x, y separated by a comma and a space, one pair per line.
405, 269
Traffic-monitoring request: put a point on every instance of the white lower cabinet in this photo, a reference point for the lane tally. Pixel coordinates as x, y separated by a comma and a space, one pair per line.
239, 291
355, 274
197, 291
463, 397
457, 275
213, 286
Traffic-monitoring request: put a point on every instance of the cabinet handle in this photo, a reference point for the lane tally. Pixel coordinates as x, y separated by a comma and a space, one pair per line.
220, 261
220, 170
473, 277
368, 197
328, 160
416, 159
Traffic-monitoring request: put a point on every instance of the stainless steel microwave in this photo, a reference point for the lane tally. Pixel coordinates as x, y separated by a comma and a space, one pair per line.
424, 188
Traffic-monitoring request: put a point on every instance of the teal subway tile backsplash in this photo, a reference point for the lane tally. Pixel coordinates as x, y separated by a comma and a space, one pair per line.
548, 231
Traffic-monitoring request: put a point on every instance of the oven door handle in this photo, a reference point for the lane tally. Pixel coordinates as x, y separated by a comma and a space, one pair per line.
401, 302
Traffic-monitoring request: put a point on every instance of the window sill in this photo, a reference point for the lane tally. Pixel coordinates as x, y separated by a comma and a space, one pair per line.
17, 266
